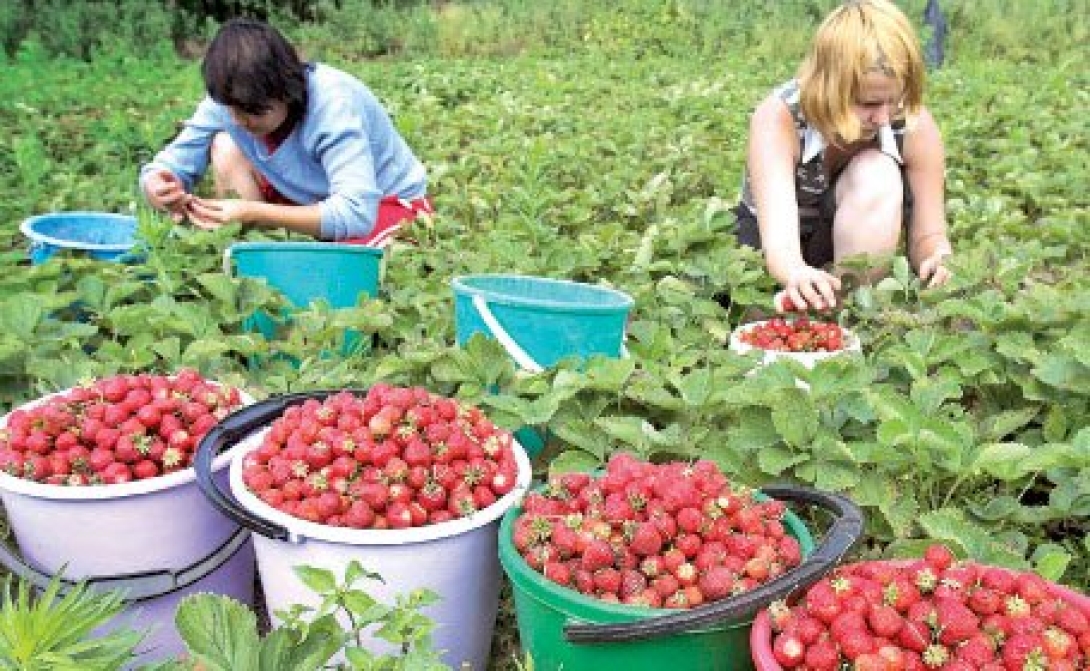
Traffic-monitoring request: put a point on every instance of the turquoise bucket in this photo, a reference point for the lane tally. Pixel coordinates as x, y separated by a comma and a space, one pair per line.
100, 235
309, 271
540, 321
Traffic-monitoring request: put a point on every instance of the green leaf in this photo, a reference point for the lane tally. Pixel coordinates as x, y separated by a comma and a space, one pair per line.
796, 419
951, 525
20, 316
220, 632
318, 580
574, 461
1002, 425
777, 459
1002, 460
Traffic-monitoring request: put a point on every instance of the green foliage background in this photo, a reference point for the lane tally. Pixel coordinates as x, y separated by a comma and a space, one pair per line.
605, 144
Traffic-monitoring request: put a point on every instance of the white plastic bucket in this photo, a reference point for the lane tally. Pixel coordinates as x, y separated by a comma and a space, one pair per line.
458, 560
157, 539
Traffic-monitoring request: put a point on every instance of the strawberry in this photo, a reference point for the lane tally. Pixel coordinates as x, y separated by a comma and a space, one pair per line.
822, 655
1071, 619
597, 554
718, 582
956, 622
884, 621
646, 540
788, 650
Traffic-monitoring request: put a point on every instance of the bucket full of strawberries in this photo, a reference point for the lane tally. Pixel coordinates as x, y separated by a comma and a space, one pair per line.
409, 484
929, 613
98, 485
659, 566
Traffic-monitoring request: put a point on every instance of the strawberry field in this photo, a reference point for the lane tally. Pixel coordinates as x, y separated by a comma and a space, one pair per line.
607, 148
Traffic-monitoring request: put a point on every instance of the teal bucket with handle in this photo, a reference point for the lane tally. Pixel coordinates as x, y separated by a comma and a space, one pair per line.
540, 321
309, 271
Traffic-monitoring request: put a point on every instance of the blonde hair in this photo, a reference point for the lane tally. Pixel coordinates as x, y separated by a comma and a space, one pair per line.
857, 38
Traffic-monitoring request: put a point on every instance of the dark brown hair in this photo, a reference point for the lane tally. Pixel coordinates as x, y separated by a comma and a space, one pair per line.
250, 64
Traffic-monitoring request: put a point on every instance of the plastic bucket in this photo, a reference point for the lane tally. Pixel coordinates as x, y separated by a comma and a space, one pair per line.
540, 321
102, 235
761, 633
457, 560
306, 272
158, 540
563, 629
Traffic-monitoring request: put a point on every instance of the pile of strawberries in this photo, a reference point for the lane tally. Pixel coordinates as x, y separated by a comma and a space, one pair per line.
798, 334
395, 458
932, 613
114, 430
674, 535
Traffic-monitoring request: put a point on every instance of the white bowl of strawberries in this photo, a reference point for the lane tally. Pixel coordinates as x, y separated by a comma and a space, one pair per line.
800, 339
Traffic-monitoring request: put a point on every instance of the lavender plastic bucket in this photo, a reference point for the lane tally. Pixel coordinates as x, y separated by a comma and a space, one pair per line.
458, 560
158, 540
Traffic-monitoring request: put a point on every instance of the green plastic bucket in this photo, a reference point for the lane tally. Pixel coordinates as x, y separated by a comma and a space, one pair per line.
540, 321
308, 271
546, 611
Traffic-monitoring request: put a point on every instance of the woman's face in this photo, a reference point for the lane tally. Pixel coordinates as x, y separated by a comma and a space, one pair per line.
264, 123
880, 100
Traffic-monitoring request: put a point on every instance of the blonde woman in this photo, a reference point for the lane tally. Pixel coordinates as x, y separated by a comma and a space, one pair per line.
845, 156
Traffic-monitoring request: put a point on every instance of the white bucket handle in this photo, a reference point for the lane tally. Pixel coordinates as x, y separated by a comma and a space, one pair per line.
228, 267
521, 357
524, 360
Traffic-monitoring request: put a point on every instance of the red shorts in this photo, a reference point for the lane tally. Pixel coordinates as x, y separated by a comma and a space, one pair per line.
393, 214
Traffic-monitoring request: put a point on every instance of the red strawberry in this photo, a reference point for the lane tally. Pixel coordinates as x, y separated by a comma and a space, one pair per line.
985, 601
938, 557
717, 583
956, 623
884, 621
646, 540
822, 655
597, 554
1073, 620
977, 651
788, 650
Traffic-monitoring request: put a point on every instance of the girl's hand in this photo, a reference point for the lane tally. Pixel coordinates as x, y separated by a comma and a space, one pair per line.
810, 288
211, 214
933, 271
166, 192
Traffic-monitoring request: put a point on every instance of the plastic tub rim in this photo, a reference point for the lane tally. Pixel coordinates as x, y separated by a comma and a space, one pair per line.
570, 597
317, 246
40, 490
27, 229
461, 284
300, 530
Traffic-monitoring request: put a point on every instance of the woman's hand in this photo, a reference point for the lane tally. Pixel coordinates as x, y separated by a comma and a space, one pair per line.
166, 192
211, 214
810, 288
933, 272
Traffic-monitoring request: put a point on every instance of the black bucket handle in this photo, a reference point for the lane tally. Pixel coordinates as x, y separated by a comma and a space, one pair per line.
138, 586
845, 531
227, 433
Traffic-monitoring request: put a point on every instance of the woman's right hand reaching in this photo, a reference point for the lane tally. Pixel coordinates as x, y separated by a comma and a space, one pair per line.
809, 288
166, 192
